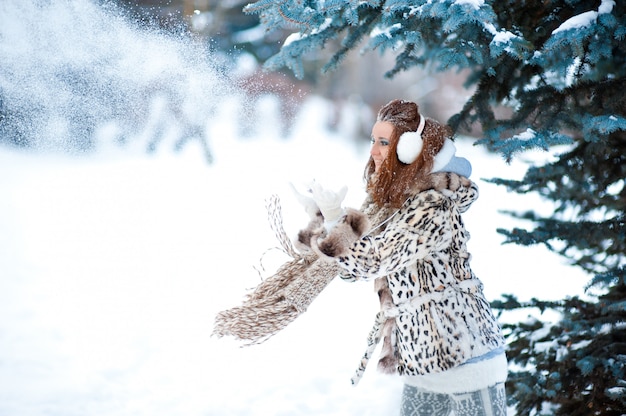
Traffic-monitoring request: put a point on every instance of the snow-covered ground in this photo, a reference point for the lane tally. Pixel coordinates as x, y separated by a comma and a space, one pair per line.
113, 265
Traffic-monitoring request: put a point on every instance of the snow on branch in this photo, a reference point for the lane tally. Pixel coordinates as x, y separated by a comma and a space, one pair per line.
587, 18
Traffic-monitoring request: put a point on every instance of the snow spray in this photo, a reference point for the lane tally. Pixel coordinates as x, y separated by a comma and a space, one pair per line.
74, 73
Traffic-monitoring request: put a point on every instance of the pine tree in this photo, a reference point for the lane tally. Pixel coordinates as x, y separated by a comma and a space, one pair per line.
558, 68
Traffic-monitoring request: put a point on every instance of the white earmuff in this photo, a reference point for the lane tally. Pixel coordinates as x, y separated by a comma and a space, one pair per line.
410, 143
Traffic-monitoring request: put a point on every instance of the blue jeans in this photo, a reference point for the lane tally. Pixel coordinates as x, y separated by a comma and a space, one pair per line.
490, 401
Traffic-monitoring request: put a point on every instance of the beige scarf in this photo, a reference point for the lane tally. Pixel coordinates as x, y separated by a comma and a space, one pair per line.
282, 297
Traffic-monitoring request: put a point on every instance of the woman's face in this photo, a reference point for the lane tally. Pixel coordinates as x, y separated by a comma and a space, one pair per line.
381, 132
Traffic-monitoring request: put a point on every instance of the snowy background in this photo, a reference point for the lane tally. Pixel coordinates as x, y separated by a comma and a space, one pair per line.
113, 263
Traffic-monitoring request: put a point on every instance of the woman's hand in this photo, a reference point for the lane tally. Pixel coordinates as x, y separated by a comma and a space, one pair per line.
328, 201
310, 207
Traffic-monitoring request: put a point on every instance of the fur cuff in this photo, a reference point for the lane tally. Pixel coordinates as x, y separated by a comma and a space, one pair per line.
351, 227
303, 240
388, 363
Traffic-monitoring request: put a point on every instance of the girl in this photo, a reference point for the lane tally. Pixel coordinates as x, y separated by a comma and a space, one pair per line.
438, 330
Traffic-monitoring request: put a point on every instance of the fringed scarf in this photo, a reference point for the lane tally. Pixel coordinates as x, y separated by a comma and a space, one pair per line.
281, 298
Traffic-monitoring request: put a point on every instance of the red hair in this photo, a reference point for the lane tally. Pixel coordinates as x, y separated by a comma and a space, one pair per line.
394, 181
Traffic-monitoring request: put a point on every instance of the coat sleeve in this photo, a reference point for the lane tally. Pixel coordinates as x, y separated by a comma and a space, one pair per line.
419, 228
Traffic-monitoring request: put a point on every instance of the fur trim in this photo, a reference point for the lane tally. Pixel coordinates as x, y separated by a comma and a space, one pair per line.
357, 221
440, 181
388, 362
384, 294
303, 241
351, 227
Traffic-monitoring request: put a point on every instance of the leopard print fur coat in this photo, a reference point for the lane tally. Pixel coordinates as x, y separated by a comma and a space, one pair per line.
434, 315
